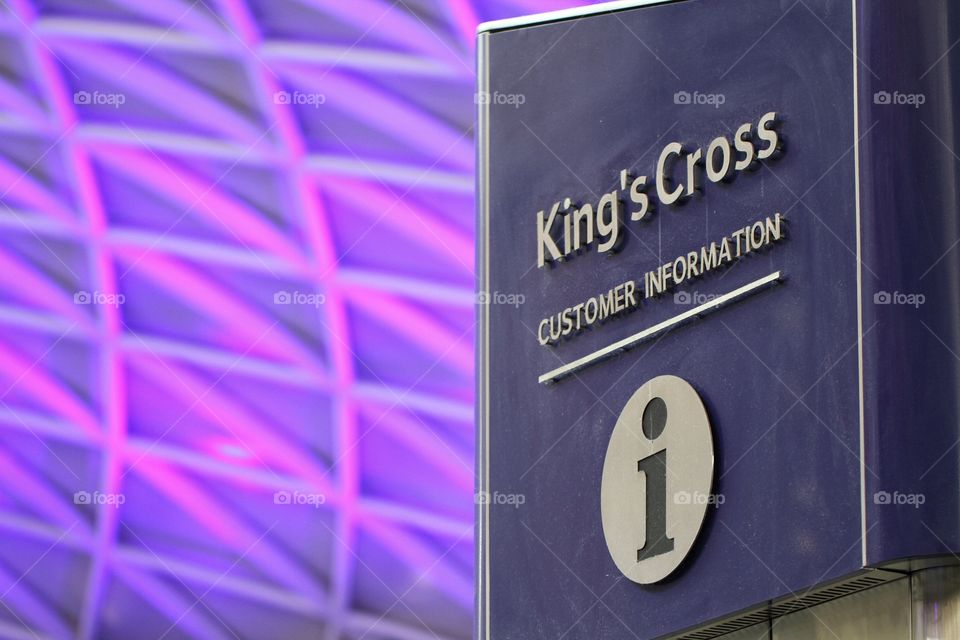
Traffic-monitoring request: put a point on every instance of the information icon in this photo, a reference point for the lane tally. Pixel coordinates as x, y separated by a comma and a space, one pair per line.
657, 479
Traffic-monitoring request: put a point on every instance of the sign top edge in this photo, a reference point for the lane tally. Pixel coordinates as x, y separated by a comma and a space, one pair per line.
565, 14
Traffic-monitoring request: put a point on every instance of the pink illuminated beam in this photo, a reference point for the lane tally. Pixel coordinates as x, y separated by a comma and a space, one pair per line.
264, 441
413, 223
430, 566
38, 492
31, 608
14, 100
226, 526
185, 16
408, 123
464, 18
387, 19
417, 327
429, 446
157, 86
182, 607
26, 192
35, 381
224, 212
252, 330
30, 283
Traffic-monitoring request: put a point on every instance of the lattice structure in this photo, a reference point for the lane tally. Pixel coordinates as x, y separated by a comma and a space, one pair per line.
236, 371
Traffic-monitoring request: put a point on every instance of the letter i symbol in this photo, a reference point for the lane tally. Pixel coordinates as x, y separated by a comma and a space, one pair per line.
654, 468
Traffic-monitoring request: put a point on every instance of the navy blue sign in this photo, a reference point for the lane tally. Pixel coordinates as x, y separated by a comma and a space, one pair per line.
711, 194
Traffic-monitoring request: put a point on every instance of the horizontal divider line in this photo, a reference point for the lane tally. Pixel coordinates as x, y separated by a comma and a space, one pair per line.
646, 334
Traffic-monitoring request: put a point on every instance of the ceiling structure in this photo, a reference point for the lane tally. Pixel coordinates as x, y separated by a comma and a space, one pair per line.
236, 298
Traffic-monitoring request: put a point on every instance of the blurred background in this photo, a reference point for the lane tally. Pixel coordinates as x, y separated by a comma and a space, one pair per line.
237, 316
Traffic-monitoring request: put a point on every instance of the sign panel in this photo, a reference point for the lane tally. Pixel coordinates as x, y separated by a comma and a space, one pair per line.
681, 389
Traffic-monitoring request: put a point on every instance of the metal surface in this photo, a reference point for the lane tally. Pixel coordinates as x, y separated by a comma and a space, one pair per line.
564, 14
657, 479
936, 604
881, 613
756, 632
911, 357
923, 606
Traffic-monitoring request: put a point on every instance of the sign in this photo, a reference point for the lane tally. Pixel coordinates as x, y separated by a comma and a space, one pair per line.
717, 339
